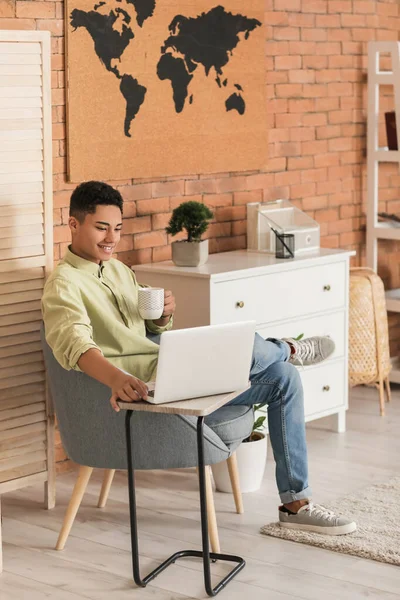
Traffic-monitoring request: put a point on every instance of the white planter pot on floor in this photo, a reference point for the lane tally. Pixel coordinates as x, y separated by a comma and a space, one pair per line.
251, 460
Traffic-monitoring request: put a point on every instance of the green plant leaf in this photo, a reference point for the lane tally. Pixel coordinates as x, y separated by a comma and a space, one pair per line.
191, 216
258, 424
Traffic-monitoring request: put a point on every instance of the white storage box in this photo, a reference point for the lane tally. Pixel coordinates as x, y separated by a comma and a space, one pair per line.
285, 218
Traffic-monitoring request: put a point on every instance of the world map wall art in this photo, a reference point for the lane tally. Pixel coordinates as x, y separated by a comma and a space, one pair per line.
165, 87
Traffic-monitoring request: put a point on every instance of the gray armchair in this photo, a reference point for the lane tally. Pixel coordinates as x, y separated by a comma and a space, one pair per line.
93, 436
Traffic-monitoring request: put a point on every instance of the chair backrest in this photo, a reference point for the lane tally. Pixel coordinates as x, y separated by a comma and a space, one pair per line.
94, 435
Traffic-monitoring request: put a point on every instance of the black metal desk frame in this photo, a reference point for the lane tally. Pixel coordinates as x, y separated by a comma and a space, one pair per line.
205, 554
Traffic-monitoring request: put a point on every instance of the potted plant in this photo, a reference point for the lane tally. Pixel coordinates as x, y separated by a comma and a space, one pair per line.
193, 217
251, 458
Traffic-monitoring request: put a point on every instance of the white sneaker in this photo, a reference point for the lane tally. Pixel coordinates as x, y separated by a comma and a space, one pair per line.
313, 517
310, 351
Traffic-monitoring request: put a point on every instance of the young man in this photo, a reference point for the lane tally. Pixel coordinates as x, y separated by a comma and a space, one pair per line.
92, 324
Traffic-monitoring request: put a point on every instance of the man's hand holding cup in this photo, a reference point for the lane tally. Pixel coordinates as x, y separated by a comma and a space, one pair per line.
156, 304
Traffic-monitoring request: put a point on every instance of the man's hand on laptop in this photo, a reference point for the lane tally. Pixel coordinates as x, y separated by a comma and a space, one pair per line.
169, 309
127, 388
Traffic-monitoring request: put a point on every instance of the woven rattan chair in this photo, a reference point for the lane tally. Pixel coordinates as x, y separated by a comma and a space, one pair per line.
369, 357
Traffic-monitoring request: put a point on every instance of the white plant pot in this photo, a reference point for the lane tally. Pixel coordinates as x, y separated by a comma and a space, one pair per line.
189, 254
251, 460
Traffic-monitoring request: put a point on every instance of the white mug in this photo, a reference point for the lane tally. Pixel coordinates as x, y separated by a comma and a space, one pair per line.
151, 303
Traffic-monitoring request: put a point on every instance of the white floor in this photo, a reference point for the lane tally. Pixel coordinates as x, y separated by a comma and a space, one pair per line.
96, 563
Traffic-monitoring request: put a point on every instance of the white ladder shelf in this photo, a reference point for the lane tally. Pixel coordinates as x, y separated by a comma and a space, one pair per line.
375, 155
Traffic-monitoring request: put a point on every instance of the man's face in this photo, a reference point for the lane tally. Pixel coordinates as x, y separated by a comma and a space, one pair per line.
96, 238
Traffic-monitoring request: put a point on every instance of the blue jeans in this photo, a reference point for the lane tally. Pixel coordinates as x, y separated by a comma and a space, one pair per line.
277, 384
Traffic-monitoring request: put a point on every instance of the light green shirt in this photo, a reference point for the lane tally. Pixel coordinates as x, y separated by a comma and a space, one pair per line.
86, 305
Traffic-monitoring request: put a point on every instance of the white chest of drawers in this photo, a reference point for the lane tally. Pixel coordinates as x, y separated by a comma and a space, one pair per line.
307, 295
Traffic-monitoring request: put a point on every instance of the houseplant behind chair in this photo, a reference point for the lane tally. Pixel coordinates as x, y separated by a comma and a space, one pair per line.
251, 457
193, 217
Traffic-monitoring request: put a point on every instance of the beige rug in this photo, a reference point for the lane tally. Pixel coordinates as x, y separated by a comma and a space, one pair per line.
376, 511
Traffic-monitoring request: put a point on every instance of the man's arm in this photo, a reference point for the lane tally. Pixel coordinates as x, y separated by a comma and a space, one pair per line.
67, 325
69, 334
122, 384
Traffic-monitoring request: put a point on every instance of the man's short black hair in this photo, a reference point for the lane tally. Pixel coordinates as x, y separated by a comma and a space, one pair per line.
87, 196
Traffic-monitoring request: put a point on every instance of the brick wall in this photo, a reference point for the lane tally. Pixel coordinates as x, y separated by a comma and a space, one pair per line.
315, 61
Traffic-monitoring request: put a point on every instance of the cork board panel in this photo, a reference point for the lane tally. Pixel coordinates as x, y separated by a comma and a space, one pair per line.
165, 87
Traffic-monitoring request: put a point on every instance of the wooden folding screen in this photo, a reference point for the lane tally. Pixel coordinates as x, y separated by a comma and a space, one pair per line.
26, 254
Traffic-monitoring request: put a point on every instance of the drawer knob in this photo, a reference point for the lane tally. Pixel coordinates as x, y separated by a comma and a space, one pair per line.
327, 288
326, 388
240, 304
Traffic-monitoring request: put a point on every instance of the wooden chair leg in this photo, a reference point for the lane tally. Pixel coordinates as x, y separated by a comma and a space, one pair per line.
388, 391
382, 398
74, 504
211, 517
105, 488
235, 483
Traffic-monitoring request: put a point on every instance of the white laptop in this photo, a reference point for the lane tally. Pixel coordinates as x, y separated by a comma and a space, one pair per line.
203, 361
